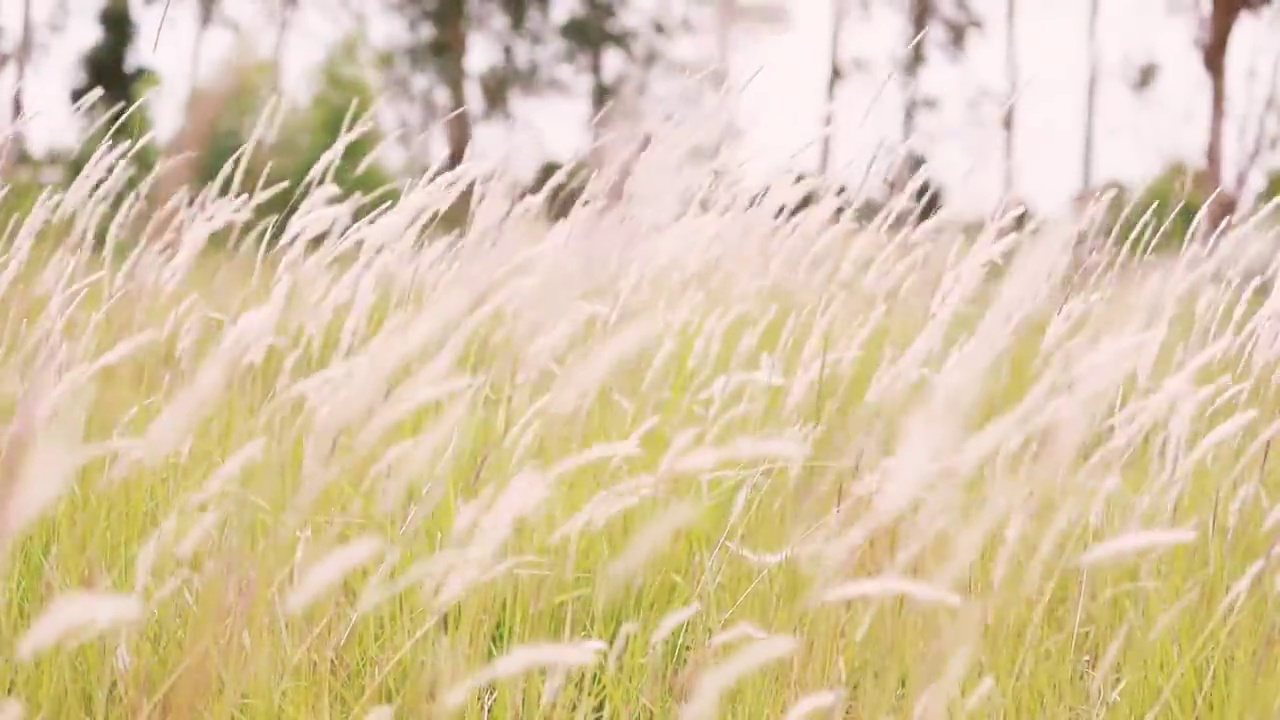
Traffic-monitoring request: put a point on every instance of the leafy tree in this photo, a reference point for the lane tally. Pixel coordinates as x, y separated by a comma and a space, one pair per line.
307, 138
311, 133
1158, 217
234, 107
106, 68
834, 73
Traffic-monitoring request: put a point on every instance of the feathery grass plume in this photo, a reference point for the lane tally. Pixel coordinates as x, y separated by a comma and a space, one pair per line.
12, 709
201, 529
522, 659
814, 702
524, 494
1135, 543
739, 631
745, 449
889, 586
712, 683
49, 464
620, 643
627, 565
588, 375
192, 404
979, 694
670, 622
329, 570
76, 617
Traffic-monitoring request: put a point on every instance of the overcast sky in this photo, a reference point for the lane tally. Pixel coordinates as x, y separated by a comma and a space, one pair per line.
781, 106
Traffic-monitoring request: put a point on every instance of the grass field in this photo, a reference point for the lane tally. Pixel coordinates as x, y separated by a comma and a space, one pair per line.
705, 468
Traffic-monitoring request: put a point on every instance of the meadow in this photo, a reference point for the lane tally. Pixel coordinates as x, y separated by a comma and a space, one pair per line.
628, 466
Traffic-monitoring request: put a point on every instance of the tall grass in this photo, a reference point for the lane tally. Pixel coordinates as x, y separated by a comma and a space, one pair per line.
632, 465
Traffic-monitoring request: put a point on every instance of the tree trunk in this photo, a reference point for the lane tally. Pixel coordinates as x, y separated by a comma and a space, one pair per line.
197, 50
833, 82
602, 115
17, 150
919, 14
1090, 101
1010, 108
1213, 53
287, 8
452, 26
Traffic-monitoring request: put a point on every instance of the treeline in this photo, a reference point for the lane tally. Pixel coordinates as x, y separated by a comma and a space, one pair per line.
427, 77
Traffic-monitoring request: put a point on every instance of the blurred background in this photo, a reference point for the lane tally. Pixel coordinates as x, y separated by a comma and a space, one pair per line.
1039, 101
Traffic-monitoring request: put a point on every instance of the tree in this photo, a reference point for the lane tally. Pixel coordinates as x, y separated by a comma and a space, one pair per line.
1091, 100
21, 59
438, 46
230, 109
286, 9
1011, 103
1217, 24
106, 68
436, 43
945, 25
838, 11
591, 33
24, 52
955, 22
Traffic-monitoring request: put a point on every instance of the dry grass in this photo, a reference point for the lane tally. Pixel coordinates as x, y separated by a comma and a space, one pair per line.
632, 467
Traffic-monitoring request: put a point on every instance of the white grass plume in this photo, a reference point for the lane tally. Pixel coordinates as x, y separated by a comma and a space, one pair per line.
629, 564
585, 377
1135, 543
890, 586
669, 622
747, 449
814, 702
523, 659
75, 617
739, 631
50, 464
704, 701
325, 574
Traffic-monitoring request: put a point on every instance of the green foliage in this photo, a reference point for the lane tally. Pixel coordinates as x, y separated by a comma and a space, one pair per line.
1271, 190
17, 197
235, 124
309, 136
106, 68
1161, 217
561, 186
306, 139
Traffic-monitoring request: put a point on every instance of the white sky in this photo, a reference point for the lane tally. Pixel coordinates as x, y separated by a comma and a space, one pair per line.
781, 106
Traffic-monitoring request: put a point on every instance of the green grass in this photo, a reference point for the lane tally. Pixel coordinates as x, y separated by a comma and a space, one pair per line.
522, 446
